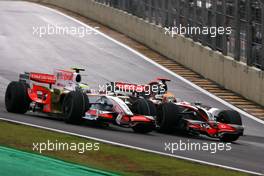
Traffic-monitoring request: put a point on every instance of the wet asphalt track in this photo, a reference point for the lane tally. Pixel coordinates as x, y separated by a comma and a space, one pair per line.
104, 61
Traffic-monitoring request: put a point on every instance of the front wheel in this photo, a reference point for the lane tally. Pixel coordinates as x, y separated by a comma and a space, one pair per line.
143, 128
75, 105
229, 117
229, 137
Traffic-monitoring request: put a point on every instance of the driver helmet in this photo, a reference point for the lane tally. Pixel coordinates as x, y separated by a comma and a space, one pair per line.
169, 97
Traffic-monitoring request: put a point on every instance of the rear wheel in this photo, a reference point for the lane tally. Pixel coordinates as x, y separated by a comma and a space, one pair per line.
229, 117
167, 117
144, 107
16, 98
75, 105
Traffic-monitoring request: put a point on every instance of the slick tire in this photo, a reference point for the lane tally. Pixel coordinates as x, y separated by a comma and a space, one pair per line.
229, 117
143, 128
16, 98
144, 107
74, 106
167, 117
229, 137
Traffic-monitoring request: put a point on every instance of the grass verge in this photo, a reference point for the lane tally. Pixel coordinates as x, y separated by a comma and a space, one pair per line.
111, 158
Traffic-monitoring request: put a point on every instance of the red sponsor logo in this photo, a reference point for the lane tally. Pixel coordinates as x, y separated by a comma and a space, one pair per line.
66, 76
43, 78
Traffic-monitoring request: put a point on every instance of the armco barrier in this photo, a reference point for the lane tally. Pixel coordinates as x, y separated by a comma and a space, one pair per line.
231, 74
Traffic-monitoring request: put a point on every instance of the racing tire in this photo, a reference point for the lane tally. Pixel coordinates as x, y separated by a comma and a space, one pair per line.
229, 117
75, 104
143, 128
144, 107
167, 117
16, 98
87, 103
229, 137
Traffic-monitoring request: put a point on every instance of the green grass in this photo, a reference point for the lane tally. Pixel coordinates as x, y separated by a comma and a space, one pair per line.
111, 158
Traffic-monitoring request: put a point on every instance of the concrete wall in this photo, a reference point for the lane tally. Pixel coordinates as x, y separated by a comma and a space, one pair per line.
233, 75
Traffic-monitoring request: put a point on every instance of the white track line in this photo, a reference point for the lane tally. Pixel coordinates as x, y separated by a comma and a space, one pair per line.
159, 66
132, 147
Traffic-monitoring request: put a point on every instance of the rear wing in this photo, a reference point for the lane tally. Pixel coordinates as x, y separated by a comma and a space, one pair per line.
60, 79
44, 78
38, 77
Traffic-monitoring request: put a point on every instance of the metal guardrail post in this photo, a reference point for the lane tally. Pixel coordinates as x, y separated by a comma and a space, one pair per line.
213, 20
237, 31
156, 11
186, 14
145, 10
164, 4
262, 37
249, 34
150, 11
178, 13
195, 37
204, 20
169, 17
121, 4
224, 38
